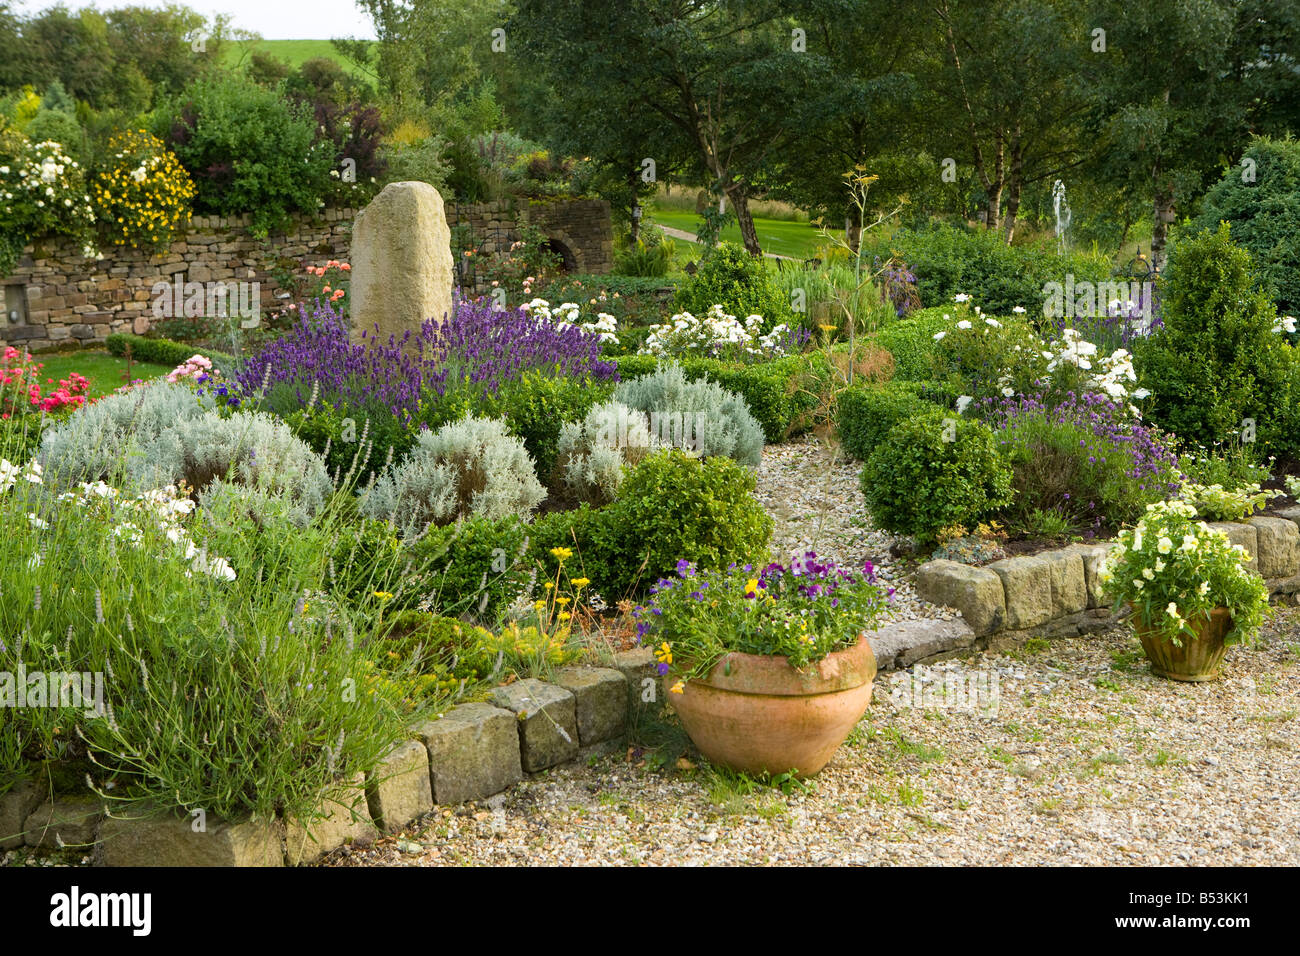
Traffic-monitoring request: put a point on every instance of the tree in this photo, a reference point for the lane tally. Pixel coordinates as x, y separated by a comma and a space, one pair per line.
1167, 112
723, 80
1005, 95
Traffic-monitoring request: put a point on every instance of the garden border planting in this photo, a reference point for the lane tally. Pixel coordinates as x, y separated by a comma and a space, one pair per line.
472, 752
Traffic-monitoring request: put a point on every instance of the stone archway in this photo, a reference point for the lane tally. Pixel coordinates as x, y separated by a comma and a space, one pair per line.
568, 251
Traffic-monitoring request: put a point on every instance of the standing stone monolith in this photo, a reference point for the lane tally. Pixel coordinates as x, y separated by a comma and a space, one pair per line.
401, 261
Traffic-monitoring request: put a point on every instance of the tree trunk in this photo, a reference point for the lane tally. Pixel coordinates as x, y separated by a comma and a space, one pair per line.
853, 228
633, 182
1163, 216
1014, 186
740, 203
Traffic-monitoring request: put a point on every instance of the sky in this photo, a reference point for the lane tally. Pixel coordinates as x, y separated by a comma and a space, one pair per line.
273, 19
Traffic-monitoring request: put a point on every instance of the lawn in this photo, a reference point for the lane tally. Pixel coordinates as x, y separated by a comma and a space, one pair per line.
799, 240
105, 372
293, 52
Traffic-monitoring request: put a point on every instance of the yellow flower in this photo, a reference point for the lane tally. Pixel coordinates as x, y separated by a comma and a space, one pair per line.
664, 653
678, 688
561, 554
561, 600
751, 587
564, 615
382, 595
579, 582
539, 605
548, 585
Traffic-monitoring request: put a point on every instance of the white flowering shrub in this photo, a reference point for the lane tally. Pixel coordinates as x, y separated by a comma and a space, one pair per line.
594, 452
473, 466
975, 346
97, 440
716, 335
43, 193
568, 314
701, 417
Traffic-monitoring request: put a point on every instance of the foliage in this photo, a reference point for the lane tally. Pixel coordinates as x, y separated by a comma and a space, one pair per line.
701, 415
472, 466
948, 260
1174, 570
1082, 460
802, 613
1263, 210
669, 506
536, 407
250, 448
1218, 361
932, 471
473, 568
251, 682
248, 149
1233, 503
44, 194
99, 439
595, 452
736, 281
865, 414
143, 193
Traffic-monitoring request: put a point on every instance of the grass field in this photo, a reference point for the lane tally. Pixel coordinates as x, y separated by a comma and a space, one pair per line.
293, 52
782, 236
104, 371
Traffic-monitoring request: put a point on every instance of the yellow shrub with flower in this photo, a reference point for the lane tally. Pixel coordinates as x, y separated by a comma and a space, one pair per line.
142, 194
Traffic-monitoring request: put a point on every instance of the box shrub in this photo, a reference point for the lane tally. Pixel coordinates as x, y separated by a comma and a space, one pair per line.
911, 342
162, 351
932, 471
1218, 361
865, 414
1264, 215
670, 507
473, 569
740, 283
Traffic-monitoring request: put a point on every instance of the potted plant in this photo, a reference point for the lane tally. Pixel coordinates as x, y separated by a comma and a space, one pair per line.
768, 671
1191, 595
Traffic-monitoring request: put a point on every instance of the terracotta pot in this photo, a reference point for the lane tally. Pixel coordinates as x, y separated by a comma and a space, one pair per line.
758, 714
1199, 657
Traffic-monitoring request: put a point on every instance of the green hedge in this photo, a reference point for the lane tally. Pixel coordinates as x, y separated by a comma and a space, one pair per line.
947, 260
865, 414
778, 393
162, 351
670, 507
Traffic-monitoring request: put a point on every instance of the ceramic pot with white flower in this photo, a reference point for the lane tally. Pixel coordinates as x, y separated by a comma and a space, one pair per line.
1198, 657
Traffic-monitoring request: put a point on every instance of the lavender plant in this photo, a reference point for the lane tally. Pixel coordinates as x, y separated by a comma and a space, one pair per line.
476, 348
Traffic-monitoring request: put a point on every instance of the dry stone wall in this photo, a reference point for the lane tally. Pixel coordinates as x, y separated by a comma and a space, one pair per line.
56, 298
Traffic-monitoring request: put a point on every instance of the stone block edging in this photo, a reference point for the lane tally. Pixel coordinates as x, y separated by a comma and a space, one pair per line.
1057, 593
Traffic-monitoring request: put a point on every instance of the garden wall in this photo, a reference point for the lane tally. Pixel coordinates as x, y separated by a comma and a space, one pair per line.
1058, 594
56, 298
66, 300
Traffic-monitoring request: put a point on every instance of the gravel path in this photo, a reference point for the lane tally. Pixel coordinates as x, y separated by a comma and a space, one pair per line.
816, 504
1072, 753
